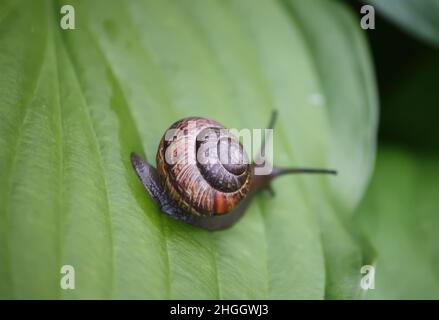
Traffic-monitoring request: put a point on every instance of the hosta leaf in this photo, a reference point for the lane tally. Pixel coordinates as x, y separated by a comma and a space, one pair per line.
399, 215
75, 103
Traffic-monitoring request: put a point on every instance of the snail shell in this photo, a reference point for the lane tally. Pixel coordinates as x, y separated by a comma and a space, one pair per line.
203, 167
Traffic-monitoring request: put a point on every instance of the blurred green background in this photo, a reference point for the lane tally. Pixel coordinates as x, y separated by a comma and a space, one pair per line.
400, 212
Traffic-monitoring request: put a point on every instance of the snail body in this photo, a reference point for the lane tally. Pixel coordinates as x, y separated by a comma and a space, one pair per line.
203, 175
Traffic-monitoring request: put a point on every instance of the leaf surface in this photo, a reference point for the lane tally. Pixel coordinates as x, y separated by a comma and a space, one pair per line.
75, 103
399, 215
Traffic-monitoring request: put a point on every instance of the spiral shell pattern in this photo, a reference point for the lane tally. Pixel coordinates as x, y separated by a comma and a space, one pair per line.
203, 167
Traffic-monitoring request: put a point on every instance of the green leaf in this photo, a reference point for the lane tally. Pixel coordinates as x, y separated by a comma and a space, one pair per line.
420, 18
75, 103
399, 215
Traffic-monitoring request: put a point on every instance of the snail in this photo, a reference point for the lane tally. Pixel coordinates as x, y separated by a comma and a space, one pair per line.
192, 182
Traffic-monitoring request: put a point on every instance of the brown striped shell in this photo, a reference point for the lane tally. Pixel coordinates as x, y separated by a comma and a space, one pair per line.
203, 167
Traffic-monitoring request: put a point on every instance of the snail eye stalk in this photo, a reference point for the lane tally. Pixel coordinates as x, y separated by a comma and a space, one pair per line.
264, 181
